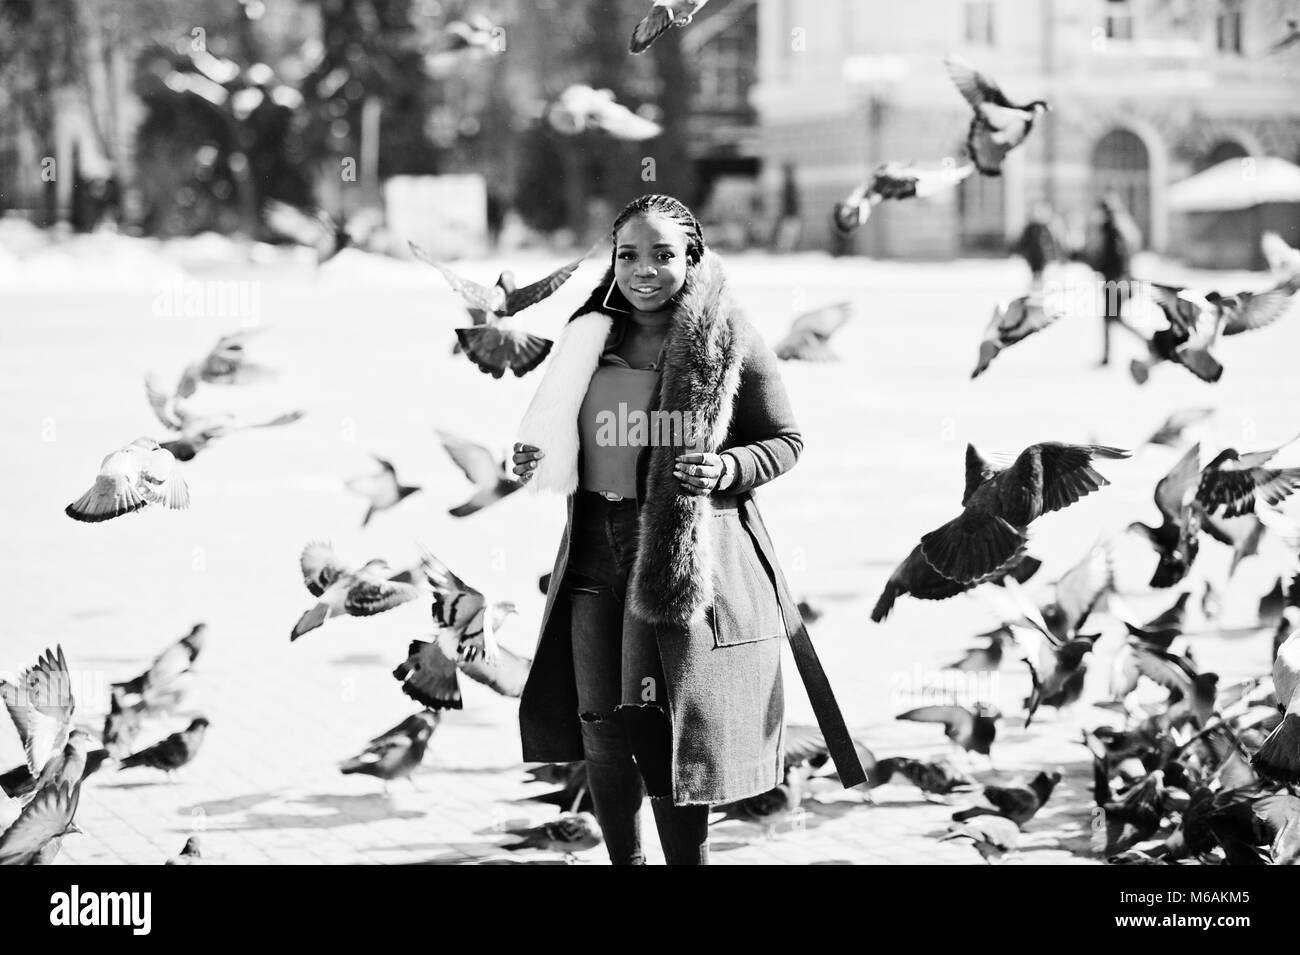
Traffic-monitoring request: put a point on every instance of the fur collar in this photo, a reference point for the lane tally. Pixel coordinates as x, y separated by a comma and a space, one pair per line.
672, 581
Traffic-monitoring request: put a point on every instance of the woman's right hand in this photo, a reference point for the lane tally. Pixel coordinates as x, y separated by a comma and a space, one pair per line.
525, 458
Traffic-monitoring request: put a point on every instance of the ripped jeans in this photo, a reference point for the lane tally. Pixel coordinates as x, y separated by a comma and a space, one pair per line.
629, 749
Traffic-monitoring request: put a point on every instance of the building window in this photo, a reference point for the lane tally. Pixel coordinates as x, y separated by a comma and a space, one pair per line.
1227, 27
979, 22
1119, 20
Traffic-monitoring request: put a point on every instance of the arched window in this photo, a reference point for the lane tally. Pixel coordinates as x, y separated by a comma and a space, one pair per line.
1120, 162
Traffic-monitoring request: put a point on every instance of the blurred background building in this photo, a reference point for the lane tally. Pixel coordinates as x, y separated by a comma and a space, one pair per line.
176, 116
1144, 93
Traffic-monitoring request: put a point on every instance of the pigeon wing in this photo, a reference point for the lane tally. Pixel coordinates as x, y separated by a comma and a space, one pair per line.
491, 300
1068, 474
370, 595
822, 322
522, 298
477, 463
428, 676
1172, 490
44, 818
653, 26
1078, 591
506, 675
974, 86
1258, 310
949, 716
293, 223
41, 708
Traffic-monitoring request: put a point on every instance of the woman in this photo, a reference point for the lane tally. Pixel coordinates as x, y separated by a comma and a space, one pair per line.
660, 411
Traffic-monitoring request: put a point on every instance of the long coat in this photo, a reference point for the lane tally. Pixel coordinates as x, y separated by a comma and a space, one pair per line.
706, 573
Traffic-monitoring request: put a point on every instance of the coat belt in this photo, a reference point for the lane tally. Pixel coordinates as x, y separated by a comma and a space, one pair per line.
825, 708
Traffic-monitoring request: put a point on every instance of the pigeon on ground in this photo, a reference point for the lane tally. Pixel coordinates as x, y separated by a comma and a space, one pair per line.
894, 180
428, 675
1233, 481
191, 854
992, 836
173, 752
381, 488
490, 474
396, 753
998, 125
370, 589
494, 343
129, 479
121, 725
571, 833
1177, 540
1017, 803
810, 334
1014, 321
663, 15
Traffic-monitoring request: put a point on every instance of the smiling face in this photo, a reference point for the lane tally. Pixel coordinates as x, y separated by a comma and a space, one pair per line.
650, 261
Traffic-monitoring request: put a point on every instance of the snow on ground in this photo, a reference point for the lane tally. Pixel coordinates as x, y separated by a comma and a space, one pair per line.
364, 347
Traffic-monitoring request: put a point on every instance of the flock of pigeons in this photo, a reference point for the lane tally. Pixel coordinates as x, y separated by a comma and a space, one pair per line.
1208, 773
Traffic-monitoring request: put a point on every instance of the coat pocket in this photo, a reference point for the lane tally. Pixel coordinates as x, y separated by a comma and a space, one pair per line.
745, 607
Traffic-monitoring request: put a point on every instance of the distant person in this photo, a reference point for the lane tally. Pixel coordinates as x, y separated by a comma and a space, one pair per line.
789, 222
1111, 256
1039, 242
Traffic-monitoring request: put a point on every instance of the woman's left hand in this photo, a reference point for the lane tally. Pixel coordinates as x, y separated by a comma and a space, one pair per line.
698, 472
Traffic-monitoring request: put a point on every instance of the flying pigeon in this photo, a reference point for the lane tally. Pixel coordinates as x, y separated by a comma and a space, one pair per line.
490, 474
369, 589
894, 180
382, 488
810, 333
663, 15
494, 344
129, 479
998, 125
1014, 321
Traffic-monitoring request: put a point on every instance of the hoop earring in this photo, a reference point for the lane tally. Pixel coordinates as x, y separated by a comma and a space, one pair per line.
612, 308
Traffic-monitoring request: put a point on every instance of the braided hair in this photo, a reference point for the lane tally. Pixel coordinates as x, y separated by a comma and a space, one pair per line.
646, 205
667, 206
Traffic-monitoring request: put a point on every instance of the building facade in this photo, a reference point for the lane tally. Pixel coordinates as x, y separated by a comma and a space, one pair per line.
1143, 94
